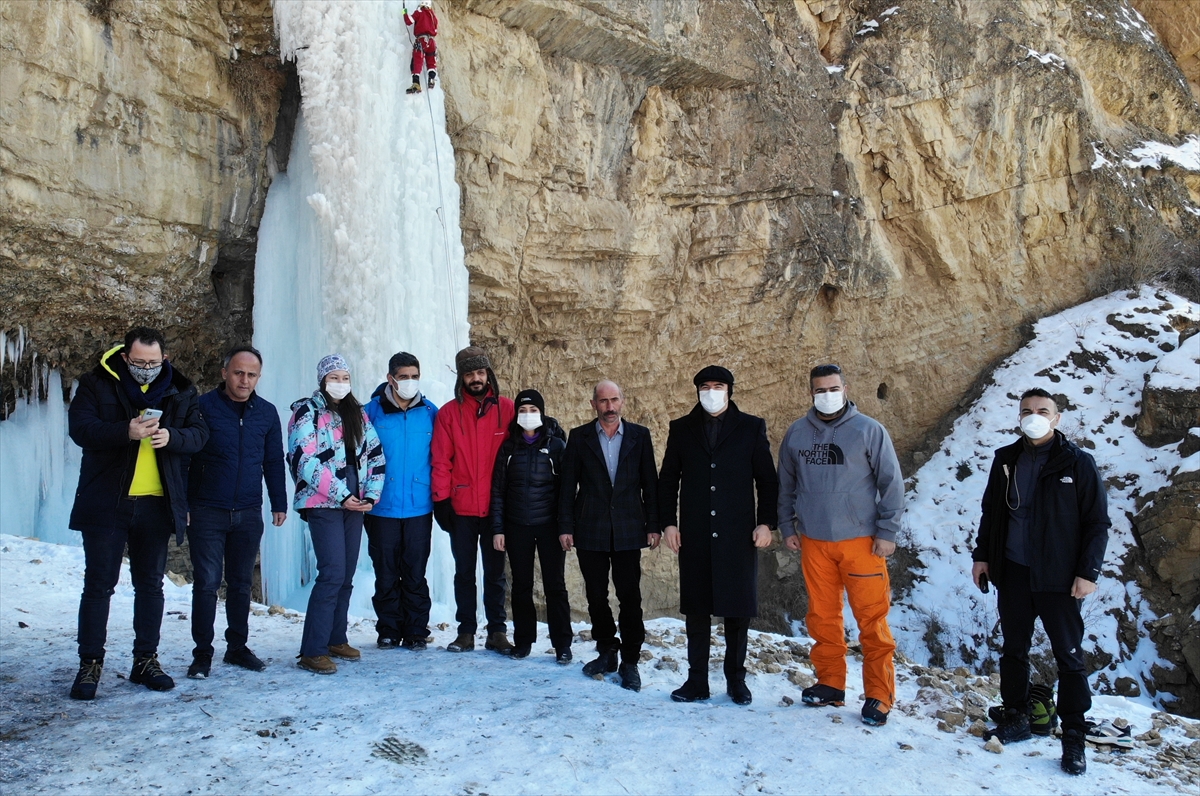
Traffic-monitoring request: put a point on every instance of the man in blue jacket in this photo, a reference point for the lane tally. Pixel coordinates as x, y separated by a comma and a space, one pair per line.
245, 445
1041, 541
400, 527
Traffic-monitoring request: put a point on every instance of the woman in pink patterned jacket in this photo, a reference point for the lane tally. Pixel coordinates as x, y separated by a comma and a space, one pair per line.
336, 461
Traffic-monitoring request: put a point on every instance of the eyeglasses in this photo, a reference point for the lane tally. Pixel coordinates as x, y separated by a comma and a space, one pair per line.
138, 364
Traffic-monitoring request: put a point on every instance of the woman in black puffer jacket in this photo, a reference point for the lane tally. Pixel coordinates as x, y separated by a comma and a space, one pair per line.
525, 518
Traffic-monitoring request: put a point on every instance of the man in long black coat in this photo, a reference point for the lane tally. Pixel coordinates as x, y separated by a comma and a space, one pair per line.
608, 513
721, 457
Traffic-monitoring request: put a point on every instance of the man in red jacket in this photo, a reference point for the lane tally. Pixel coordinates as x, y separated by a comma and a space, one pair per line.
467, 434
424, 25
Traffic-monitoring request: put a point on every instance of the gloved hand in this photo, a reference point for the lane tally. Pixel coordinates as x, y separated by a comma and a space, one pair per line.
443, 512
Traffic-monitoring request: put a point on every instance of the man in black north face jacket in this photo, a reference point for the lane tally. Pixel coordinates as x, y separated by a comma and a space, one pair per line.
1041, 541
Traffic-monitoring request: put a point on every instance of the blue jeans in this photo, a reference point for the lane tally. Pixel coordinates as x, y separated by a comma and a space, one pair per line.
336, 537
220, 539
146, 524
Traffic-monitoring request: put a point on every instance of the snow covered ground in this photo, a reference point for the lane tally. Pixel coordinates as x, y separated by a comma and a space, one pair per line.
1097, 356
433, 722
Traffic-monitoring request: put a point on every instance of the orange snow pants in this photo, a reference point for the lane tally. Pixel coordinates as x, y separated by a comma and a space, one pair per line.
831, 568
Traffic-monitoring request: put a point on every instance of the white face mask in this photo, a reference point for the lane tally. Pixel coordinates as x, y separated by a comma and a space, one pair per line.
1035, 426
337, 389
529, 421
714, 401
829, 403
407, 389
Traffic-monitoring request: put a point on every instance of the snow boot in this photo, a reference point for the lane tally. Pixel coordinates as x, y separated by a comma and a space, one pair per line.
415, 88
819, 695
563, 656
498, 642
1074, 761
738, 691
147, 671
201, 665
464, 643
387, 643
245, 659
1012, 728
414, 643
521, 650
87, 678
604, 664
630, 679
872, 714
345, 652
432, 79
694, 689
319, 664
1043, 717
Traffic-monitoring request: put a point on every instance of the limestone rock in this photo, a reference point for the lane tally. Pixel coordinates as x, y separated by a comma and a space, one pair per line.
1178, 24
994, 746
1171, 396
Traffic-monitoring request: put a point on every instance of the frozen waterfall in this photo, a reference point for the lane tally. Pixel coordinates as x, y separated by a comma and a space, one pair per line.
359, 249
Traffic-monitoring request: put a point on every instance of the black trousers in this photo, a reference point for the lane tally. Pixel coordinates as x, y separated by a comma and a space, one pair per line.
699, 630
225, 543
1063, 623
473, 534
399, 549
626, 566
521, 542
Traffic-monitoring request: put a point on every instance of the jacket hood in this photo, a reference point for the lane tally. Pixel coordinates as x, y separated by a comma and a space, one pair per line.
316, 400
110, 360
818, 423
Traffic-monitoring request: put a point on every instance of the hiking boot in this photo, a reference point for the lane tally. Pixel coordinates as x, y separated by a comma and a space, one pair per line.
694, 689
415, 88
414, 643
464, 643
245, 659
387, 643
321, 664
498, 642
563, 656
522, 650
201, 664
1013, 727
1043, 717
873, 714
819, 695
344, 651
86, 679
739, 692
604, 664
1073, 760
630, 679
147, 672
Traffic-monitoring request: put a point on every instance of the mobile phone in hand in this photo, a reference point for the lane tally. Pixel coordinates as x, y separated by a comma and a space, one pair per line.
152, 414
983, 582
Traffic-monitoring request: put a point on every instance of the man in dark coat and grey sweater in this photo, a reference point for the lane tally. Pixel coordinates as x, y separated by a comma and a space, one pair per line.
721, 458
1041, 541
608, 512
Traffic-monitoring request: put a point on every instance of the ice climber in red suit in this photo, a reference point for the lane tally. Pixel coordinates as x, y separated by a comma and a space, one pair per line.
424, 25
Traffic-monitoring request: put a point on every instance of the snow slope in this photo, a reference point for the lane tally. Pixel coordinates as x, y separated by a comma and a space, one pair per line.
433, 722
1096, 356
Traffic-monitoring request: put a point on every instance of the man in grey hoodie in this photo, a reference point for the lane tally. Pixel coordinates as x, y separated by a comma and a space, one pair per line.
840, 498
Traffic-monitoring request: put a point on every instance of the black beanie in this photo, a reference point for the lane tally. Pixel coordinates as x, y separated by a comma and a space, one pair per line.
530, 397
714, 373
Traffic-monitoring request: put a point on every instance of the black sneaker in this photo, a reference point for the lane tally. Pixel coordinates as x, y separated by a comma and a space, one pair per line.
604, 664
739, 692
522, 650
872, 715
86, 679
414, 643
1073, 760
630, 679
819, 695
694, 689
563, 656
387, 643
201, 664
1043, 717
1013, 728
148, 672
244, 658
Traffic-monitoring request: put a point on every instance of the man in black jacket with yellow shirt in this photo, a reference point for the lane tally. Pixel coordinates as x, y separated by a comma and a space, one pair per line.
608, 512
138, 421
1041, 541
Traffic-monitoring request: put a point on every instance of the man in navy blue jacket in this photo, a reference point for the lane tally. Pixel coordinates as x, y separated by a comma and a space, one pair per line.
400, 526
245, 445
